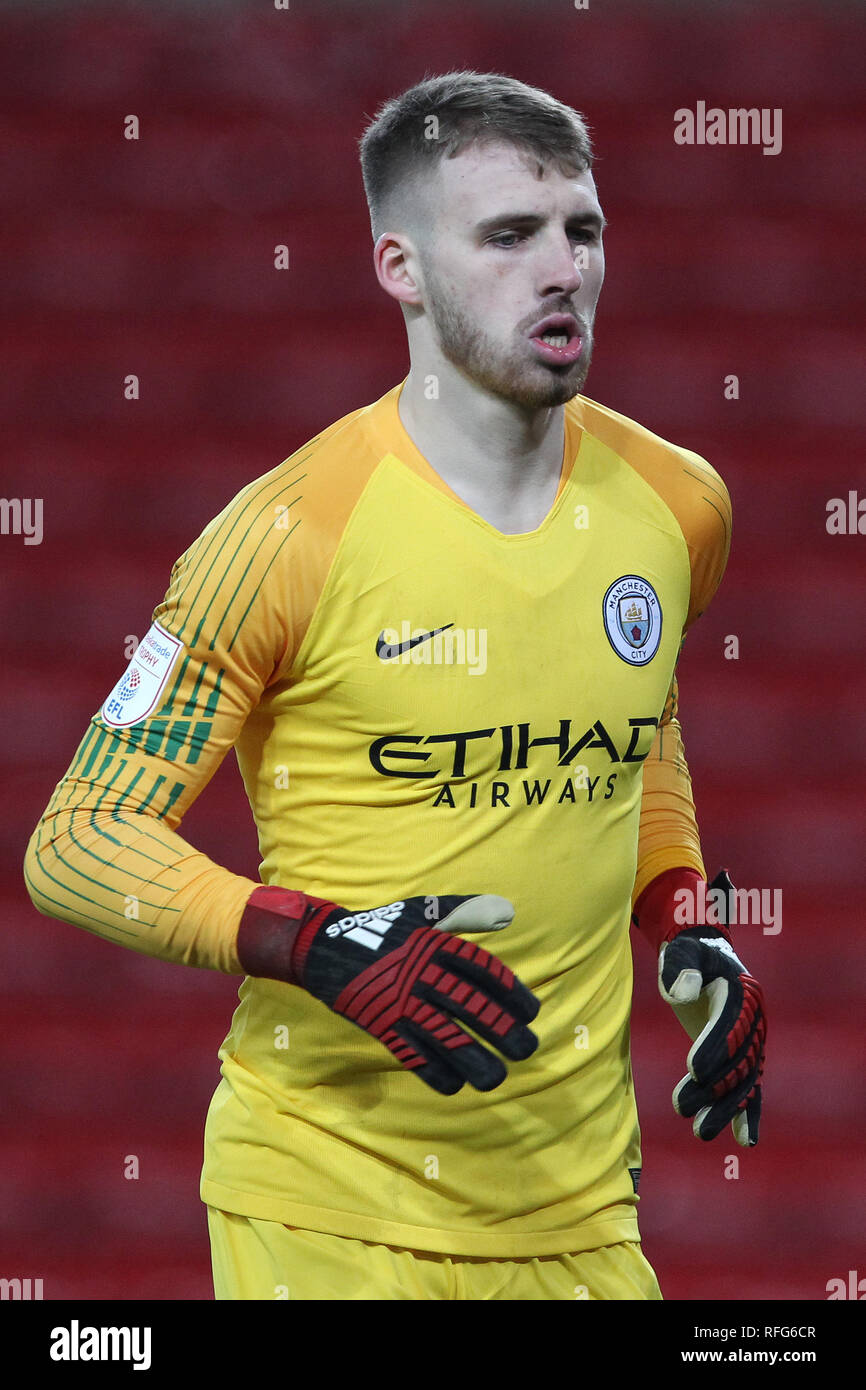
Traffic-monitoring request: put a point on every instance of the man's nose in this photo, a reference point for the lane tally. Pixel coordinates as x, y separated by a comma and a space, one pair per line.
562, 268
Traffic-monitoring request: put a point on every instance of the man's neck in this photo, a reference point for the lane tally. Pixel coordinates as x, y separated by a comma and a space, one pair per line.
501, 461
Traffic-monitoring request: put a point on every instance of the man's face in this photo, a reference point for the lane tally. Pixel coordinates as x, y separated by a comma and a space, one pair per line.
507, 252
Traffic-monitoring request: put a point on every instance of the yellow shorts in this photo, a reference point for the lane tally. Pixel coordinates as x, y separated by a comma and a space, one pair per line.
255, 1259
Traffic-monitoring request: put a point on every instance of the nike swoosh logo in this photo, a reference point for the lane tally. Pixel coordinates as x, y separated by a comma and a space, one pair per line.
386, 651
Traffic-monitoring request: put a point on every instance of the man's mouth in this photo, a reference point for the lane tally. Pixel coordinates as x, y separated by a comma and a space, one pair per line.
556, 339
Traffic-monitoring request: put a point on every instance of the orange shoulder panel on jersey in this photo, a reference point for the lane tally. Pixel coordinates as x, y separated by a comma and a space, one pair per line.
698, 498
105, 854
689, 487
249, 585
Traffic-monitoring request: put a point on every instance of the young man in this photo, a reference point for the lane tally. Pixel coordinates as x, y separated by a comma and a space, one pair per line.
441, 638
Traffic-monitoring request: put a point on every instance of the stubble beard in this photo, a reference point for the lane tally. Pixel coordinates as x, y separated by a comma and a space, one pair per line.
515, 376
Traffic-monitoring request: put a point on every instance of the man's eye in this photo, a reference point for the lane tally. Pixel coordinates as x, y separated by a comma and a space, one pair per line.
510, 237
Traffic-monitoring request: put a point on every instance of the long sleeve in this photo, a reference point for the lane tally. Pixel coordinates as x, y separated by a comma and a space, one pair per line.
668, 837
106, 854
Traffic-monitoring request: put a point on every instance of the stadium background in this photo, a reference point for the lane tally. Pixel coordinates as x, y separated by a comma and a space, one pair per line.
155, 257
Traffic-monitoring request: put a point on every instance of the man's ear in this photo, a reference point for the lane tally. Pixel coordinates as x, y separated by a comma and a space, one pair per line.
398, 267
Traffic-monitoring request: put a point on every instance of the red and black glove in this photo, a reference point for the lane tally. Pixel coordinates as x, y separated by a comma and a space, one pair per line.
720, 1005
395, 972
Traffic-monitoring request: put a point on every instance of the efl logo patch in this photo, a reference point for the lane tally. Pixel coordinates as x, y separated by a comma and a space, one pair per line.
140, 688
633, 619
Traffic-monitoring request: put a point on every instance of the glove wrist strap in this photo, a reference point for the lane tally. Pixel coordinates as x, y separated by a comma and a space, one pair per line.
276, 930
654, 911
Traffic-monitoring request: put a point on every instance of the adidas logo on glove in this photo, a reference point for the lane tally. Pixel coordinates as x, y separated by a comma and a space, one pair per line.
367, 928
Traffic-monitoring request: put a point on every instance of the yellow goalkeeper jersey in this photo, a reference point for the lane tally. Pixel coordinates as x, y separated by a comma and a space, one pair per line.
420, 705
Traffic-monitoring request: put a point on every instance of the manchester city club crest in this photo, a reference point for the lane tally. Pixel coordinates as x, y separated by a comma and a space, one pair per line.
633, 619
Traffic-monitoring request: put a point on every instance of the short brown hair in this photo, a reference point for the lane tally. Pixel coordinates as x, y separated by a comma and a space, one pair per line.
466, 107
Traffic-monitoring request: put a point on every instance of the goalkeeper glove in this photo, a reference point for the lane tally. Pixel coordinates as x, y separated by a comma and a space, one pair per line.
718, 1003
401, 979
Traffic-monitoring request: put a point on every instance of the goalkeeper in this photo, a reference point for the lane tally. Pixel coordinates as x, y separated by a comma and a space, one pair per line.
441, 639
